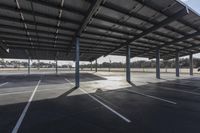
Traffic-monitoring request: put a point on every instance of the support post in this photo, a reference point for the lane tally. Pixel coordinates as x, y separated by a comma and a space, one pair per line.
128, 65
77, 75
29, 65
158, 63
109, 66
177, 64
38, 65
191, 64
91, 65
56, 66
96, 65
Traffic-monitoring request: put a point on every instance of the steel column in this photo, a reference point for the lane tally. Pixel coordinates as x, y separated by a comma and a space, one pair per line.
177, 64
56, 66
29, 66
91, 65
128, 65
158, 63
96, 65
191, 64
77, 75
109, 66
38, 65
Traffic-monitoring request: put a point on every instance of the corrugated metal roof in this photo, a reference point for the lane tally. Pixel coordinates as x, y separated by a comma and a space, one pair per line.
43, 29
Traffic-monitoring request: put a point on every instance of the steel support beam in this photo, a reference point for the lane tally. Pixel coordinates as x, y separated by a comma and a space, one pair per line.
56, 66
29, 66
158, 63
177, 64
38, 65
186, 49
22, 20
77, 54
96, 65
91, 65
155, 8
128, 65
109, 65
5, 26
31, 22
125, 11
52, 33
87, 19
174, 42
163, 23
191, 64
66, 8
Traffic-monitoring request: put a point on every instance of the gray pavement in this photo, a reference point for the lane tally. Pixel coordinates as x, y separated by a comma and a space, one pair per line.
105, 103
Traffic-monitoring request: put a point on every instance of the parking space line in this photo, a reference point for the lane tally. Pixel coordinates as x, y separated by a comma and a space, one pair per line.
177, 90
22, 92
106, 106
25, 109
13, 93
150, 96
3, 84
184, 91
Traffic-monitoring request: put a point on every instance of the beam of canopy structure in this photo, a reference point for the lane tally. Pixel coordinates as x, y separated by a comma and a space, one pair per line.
44, 28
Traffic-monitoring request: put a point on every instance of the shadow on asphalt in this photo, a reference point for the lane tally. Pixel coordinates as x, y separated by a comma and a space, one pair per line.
81, 113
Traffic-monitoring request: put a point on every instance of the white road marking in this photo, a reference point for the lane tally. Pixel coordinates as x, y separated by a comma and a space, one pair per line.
15, 130
3, 84
150, 96
106, 106
13, 93
22, 92
177, 90
184, 91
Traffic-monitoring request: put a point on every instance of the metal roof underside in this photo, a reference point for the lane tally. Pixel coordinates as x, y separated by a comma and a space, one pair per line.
46, 29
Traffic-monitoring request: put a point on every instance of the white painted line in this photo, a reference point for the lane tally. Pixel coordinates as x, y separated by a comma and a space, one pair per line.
3, 84
15, 130
184, 91
106, 106
22, 92
177, 90
153, 97
13, 93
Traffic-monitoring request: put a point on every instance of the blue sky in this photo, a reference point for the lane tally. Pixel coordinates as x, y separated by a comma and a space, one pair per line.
194, 4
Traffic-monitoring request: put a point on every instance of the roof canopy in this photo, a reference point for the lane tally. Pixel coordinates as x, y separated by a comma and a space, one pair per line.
46, 29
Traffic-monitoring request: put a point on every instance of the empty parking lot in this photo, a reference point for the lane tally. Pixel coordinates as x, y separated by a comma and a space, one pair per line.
104, 103
74, 101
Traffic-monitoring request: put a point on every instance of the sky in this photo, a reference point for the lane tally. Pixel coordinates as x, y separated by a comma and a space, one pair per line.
194, 4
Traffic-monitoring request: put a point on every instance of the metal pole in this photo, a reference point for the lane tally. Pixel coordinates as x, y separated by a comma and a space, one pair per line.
38, 64
109, 65
158, 63
29, 66
96, 65
128, 65
56, 66
177, 64
191, 64
77, 74
91, 66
